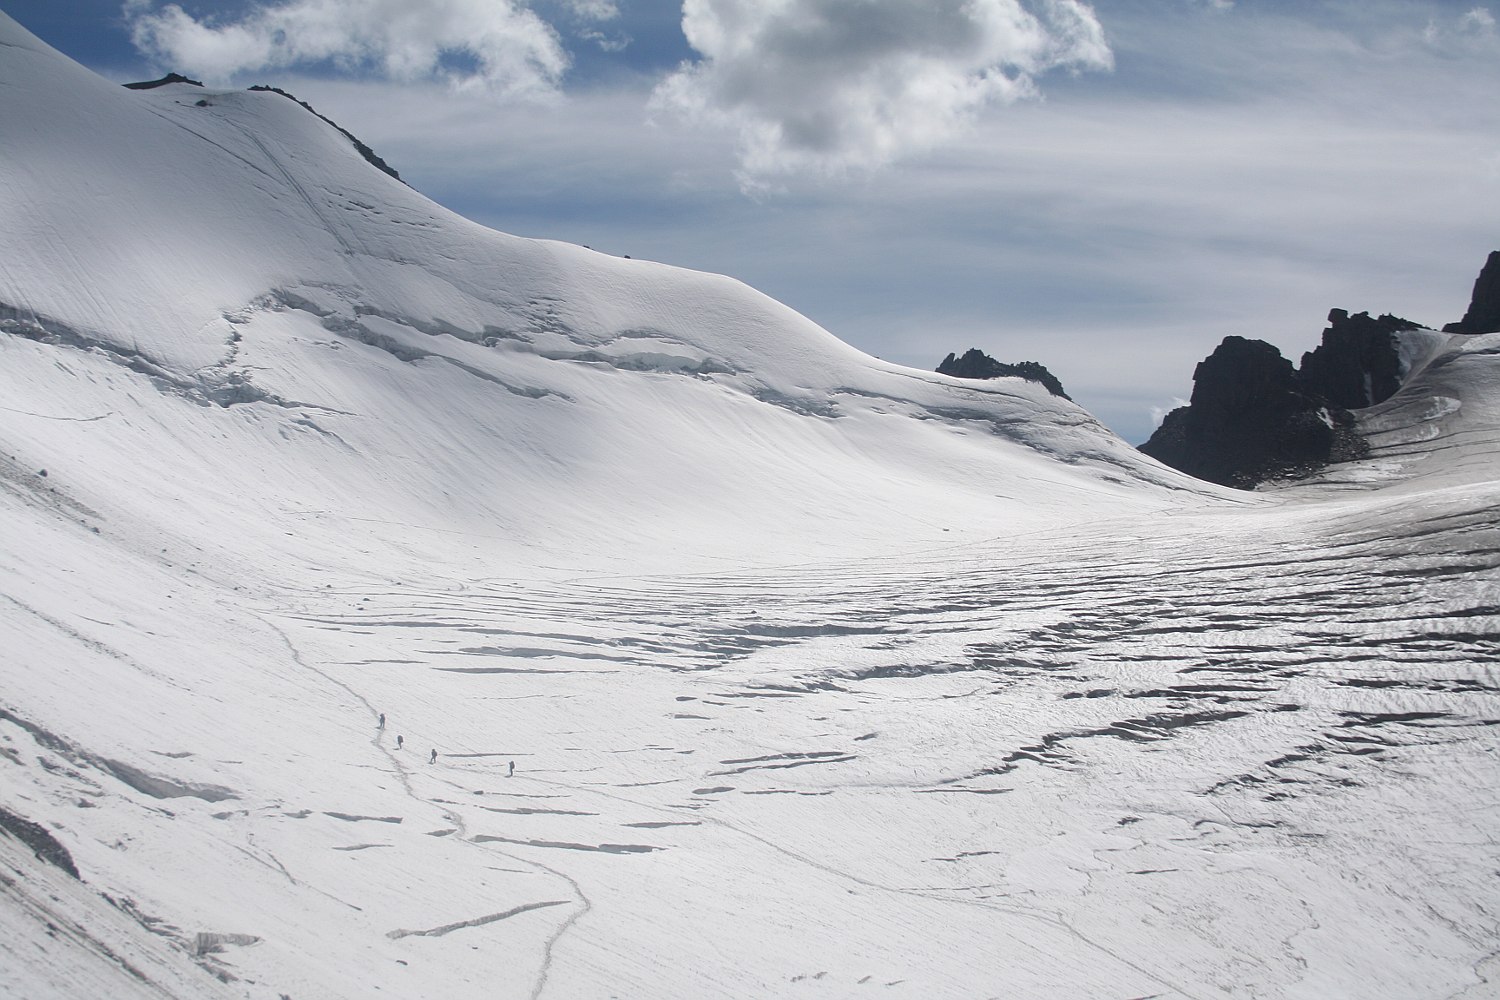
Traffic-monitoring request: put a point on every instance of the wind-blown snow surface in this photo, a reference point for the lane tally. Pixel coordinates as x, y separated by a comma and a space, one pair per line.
822, 677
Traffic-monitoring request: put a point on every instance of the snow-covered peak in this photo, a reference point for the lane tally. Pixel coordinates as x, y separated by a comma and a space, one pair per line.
388, 361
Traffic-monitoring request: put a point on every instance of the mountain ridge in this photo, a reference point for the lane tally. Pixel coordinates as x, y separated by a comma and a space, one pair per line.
240, 246
1254, 419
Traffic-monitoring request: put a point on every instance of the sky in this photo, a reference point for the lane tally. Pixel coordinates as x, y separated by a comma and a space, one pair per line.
1109, 188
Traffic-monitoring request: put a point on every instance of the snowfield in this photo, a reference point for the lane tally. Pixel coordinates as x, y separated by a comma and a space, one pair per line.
821, 677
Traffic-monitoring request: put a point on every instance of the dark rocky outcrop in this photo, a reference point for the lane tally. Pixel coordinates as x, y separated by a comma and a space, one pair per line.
365, 151
976, 364
1254, 418
41, 842
1358, 363
169, 78
1484, 306
1251, 419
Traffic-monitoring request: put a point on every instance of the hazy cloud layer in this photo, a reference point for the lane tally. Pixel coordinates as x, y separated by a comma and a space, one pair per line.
829, 85
495, 45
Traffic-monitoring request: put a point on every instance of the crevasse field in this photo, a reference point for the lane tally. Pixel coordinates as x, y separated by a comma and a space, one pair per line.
821, 677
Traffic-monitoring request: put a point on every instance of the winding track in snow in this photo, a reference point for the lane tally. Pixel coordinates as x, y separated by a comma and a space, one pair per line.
457, 819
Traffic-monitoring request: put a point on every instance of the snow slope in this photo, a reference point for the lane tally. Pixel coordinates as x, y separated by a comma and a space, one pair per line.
1443, 426
447, 377
822, 677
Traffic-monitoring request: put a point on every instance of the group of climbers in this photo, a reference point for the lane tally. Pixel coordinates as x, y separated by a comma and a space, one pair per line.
432, 759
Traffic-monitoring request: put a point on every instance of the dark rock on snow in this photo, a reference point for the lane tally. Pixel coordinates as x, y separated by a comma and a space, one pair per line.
1484, 307
1254, 418
1358, 364
42, 843
169, 78
1251, 419
976, 364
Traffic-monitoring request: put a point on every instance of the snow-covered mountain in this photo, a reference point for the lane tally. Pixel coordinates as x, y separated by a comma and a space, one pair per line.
820, 676
419, 372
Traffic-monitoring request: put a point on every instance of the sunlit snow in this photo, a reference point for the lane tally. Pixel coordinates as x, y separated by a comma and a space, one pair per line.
820, 676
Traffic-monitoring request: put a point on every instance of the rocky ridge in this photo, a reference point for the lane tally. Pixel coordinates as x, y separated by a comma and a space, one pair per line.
976, 364
1484, 305
1254, 418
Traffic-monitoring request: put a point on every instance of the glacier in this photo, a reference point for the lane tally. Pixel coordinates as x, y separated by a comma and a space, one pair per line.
819, 676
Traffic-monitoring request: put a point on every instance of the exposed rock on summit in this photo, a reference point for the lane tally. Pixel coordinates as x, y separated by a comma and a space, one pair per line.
976, 364
1484, 306
169, 78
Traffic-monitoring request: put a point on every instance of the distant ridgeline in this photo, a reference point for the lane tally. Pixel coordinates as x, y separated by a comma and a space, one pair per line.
365, 151
1255, 418
976, 364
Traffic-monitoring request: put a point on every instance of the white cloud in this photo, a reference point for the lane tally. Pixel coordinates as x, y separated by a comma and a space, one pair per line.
608, 43
1159, 413
594, 10
1473, 30
1115, 236
494, 45
830, 85
1479, 20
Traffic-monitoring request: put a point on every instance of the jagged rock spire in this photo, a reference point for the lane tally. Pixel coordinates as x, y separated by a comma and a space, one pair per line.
1484, 306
